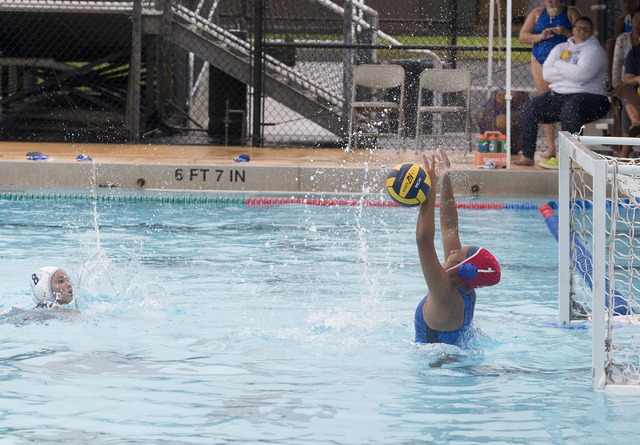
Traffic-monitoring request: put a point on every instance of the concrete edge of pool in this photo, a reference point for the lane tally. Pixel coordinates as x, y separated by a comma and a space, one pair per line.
179, 168
248, 178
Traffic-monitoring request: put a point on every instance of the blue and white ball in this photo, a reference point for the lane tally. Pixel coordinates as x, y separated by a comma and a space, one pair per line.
408, 184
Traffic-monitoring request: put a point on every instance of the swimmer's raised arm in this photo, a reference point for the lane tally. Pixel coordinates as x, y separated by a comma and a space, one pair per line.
448, 210
439, 284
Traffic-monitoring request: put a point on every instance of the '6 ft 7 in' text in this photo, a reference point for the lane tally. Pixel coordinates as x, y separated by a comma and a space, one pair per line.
205, 174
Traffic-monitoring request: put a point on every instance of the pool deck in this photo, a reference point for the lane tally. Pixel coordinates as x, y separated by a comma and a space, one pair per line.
212, 168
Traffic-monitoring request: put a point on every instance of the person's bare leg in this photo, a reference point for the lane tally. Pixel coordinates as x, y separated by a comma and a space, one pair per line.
633, 114
542, 86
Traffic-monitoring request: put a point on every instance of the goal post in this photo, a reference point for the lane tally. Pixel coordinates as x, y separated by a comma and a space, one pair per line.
598, 203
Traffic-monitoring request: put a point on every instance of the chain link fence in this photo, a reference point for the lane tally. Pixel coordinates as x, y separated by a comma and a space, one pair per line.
55, 82
232, 72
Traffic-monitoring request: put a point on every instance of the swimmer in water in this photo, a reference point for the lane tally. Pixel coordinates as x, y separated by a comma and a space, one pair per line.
445, 314
51, 288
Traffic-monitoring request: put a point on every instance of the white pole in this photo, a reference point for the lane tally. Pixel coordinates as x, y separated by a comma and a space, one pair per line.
508, 87
599, 258
490, 55
564, 252
608, 140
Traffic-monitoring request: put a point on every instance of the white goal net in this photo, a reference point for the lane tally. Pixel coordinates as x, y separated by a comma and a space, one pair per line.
599, 260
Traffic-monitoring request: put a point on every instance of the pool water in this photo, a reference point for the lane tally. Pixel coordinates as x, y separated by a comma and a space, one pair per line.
287, 324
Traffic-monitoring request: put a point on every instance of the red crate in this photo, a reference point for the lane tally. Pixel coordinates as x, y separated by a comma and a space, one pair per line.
500, 159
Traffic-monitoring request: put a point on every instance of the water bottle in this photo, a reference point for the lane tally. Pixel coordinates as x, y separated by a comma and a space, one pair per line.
483, 144
503, 143
494, 141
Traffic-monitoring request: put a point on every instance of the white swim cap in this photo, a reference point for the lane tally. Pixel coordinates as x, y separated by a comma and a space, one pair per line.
41, 285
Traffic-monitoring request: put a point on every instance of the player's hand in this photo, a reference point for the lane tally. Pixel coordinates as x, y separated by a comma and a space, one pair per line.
442, 163
429, 161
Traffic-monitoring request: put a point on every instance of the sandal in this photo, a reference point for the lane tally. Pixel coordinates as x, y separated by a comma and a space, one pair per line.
488, 164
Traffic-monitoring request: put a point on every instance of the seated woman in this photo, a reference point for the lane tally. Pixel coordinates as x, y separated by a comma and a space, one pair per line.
445, 314
577, 74
51, 288
624, 43
628, 91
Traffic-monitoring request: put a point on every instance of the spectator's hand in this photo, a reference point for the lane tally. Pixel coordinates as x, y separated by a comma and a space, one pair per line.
559, 30
547, 33
443, 165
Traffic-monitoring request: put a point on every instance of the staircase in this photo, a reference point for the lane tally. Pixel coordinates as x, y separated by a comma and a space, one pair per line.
232, 55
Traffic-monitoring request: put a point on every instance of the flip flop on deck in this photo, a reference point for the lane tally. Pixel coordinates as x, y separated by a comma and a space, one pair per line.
37, 156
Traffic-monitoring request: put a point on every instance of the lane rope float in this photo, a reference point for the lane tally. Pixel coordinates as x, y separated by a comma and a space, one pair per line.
251, 201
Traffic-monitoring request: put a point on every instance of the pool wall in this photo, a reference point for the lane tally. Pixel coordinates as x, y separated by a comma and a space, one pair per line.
258, 178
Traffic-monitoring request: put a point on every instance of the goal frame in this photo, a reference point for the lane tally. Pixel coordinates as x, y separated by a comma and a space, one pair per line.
573, 148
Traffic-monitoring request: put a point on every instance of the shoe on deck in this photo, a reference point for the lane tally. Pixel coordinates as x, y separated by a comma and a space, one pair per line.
552, 164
